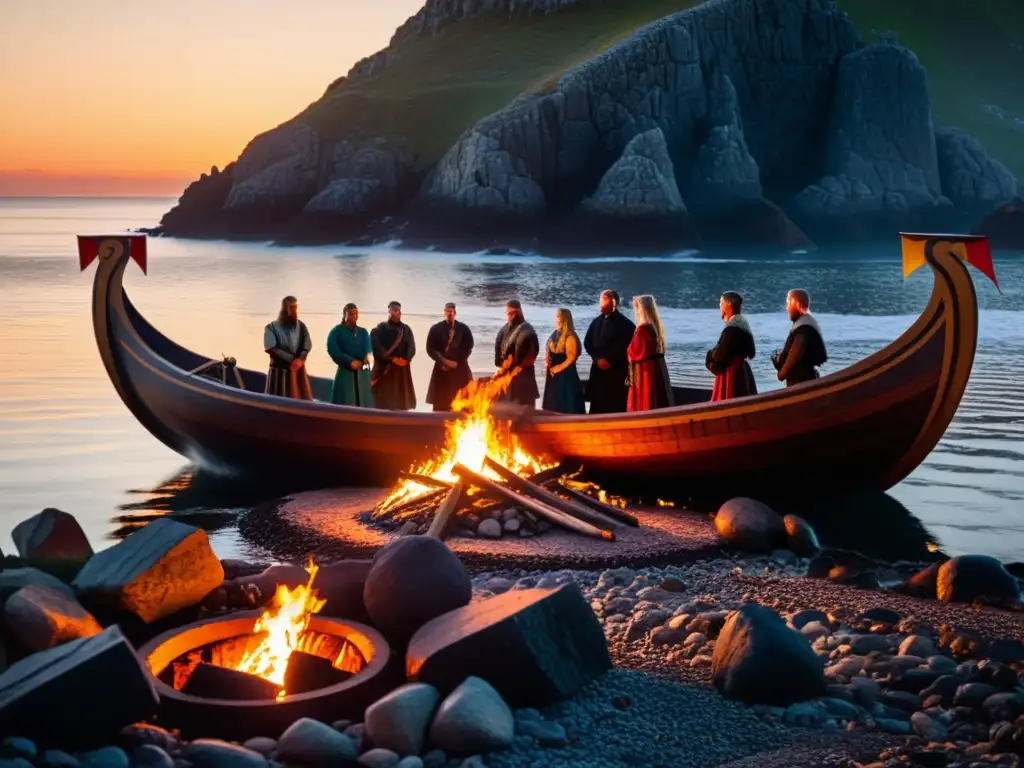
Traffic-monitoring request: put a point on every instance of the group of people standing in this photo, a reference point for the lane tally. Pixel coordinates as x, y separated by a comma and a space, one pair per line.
628, 370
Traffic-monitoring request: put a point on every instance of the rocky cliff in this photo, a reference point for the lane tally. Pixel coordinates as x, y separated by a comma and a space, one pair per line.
735, 113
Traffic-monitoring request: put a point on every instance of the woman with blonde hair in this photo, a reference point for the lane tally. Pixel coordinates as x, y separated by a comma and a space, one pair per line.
563, 390
649, 386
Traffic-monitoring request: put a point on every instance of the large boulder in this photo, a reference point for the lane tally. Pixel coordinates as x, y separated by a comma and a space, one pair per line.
551, 646
413, 580
760, 660
40, 618
641, 183
342, 584
750, 525
13, 579
881, 159
77, 695
970, 578
52, 535
158, 570
974, 181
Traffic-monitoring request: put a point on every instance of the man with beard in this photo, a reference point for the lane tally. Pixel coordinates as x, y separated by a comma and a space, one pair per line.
449, 344
515, 351
287, 342
349, 347
804, 350
728, 360
393, 349
607, 340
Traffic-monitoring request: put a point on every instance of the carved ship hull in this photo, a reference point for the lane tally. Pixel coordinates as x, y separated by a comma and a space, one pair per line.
867, 426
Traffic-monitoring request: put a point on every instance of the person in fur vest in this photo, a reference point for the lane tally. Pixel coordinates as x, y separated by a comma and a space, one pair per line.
798, 361
728, 360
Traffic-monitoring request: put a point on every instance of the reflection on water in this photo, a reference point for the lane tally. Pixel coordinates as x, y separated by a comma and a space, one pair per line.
67, 441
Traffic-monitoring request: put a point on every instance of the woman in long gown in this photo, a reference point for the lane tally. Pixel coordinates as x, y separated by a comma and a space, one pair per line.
563, 390
649, 386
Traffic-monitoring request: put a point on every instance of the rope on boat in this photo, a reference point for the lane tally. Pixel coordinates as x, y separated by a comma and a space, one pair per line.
226, 363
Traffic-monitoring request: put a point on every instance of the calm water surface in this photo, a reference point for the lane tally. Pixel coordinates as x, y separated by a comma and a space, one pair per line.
67, 441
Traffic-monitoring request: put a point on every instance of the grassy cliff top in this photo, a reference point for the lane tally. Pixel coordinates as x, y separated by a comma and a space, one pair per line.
973, 50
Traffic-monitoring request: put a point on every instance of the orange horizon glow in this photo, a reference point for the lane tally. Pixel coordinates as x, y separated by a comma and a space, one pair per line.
142, 93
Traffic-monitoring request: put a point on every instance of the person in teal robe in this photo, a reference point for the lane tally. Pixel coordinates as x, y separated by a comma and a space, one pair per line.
349, 347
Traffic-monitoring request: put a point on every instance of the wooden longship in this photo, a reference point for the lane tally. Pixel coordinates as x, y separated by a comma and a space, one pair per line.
866, 426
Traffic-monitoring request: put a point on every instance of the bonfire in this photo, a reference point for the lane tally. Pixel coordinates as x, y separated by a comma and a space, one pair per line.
469, 442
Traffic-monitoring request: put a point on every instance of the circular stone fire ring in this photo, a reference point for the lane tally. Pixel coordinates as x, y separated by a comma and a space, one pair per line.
238, 720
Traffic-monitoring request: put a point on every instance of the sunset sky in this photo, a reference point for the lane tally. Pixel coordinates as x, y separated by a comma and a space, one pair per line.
140, 96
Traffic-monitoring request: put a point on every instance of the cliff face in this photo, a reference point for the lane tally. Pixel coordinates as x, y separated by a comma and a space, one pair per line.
773, 107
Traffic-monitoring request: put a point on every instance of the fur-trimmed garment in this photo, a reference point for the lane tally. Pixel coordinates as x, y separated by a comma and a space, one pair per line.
728, 361
284, 343
806, 345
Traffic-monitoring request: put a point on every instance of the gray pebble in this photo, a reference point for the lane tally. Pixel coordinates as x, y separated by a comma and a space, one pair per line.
55, 758
151, 756
106, 757
378, 758
16, 746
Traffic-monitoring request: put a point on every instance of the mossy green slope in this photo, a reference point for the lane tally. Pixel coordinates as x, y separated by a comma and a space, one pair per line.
973, 50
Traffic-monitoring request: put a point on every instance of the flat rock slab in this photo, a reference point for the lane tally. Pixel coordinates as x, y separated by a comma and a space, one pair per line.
324, 524
533, 645
156, 571
77, 695
41, 617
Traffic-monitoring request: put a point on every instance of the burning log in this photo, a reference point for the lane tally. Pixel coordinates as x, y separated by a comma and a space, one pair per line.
607, 509
217, 682
445, 511
408, 504
539, 508
425, 480
306, 672
544, 495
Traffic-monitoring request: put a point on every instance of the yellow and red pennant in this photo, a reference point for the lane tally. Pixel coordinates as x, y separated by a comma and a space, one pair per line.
111, 246
973, 249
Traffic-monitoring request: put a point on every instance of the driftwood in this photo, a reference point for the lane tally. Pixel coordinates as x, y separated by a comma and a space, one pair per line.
433, 496
445, 511
607, 509
539, 508
543, 494
425, 480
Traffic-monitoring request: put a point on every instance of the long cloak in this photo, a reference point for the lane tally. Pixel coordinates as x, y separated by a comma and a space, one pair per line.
521, 343
803, 353
451, 342
392, 384
608, 337
284, 343
346, 345
728, 361
649, 384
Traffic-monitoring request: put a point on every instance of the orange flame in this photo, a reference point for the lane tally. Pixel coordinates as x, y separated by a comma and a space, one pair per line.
284, 622
469, 441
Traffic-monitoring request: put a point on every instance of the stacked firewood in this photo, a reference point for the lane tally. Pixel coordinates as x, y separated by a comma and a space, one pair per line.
512, 505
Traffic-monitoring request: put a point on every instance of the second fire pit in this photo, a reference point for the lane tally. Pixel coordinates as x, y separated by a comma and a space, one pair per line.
354, 672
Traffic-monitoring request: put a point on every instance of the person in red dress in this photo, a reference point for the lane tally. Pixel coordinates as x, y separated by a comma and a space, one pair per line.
649, 386
728, 360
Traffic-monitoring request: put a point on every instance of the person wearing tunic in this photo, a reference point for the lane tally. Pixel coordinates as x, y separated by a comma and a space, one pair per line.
349, 347
563, 391
804, 350
449, 344
606, 342
515, 352
649, 386
287, 342
393, 349
728, 360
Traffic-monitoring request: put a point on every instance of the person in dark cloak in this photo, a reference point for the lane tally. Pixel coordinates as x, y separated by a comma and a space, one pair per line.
607, 340
393, 349
286, 340
728, 360
449, 344
804, 350
515, 352
349, 347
